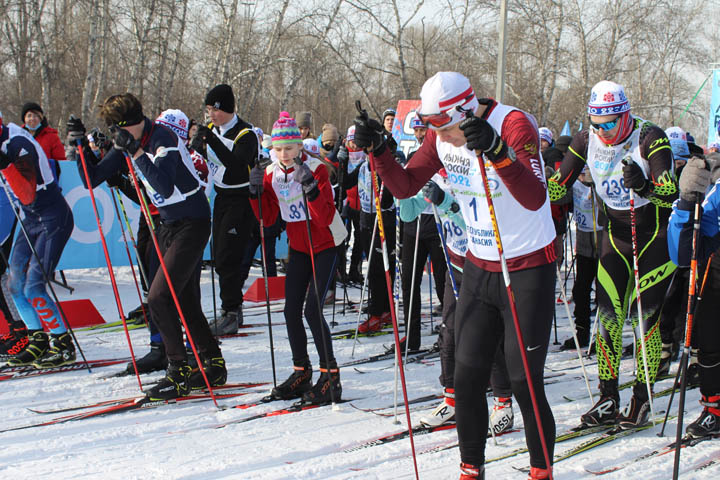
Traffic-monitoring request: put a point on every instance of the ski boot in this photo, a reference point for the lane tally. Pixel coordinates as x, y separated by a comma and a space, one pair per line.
539, 473
583, 338
34, 350
637, 412
327, 389
708, 423
153, 361
296, 385
14, 341
605, 411
372, 324
693, 370
215, 371
61, 352
471, 472
355, 276
175, 384
444, 412
502, 417
228, 323
665, 359
136, 316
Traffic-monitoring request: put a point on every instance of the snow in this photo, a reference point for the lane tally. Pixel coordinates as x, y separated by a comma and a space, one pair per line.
177, 441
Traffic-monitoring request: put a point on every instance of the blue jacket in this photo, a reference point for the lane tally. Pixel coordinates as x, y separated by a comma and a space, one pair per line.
680, 228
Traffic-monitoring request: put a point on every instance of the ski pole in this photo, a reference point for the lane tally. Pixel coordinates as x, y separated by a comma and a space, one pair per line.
46, 276
212, 276
636, 273
265, 282
443, 241
396, 292
689, 317
111, 272
153, 236
393, 313
130, 260
126, 219
593, 331
408, 320
323, 333
364, 287
676, 383
430, 283
575, 339
511, 301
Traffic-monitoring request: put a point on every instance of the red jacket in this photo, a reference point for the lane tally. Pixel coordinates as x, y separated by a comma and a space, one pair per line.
49, 140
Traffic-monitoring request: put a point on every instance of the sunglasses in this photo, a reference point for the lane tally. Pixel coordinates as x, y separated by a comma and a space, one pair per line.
435, 119
605, 126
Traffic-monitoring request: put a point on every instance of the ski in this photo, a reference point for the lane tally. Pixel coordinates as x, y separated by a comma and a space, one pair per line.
423, 399
240, 334
686, 441
705, 464
416, 431
29, 371
386, 356
102, 403
136, 403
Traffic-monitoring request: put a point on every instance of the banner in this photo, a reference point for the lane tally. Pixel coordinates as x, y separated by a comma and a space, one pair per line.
401, 130
714, 119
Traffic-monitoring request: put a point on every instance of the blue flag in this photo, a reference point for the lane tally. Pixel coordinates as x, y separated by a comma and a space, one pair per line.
565, 129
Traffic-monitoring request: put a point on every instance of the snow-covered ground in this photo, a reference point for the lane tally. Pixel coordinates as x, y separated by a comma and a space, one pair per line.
177, 441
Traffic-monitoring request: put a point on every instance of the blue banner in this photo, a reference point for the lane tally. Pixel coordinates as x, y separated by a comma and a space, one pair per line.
714, 119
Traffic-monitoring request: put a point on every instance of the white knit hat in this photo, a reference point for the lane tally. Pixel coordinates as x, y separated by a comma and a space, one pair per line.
176, 121
445, 91
311, 146
546, 134
678, 142
608, 98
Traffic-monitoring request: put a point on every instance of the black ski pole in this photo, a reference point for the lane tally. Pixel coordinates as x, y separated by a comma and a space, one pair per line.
46, 276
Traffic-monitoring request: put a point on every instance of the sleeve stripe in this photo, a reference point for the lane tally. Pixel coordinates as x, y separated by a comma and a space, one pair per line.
658, 149
576, 154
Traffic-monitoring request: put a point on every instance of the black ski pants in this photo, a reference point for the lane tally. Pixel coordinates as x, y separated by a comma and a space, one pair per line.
672, 318
182, 244
586, 272
706, 330
6, 247
231, 218
483, 320
299, 291
378, 300
150, 265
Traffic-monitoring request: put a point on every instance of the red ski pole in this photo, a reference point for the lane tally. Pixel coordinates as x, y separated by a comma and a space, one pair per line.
149, 221
388, 282
113, 282
513, 307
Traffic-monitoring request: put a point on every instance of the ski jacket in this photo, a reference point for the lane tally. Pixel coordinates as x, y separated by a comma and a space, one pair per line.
49, 140
230, 154
283, 196
519, 190
648, 146
166, 171
680, 228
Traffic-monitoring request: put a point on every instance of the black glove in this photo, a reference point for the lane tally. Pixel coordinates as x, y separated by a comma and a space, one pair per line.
200, 139
4, 160
257, 177
304, 176
123, 140
343, 157
480, 135
633, 176
694, 180
369, 134
75, 131
433, 193
115, 180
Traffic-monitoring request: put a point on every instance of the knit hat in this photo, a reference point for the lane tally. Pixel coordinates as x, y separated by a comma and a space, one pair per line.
563, 142
285, 131
221, 97
303, 119
444, 91
350, 133
608, 98
546, 134
329, 133
267, 141
31, 106
715, 145
311, 146
678, 142
176, 121
258, 131
389, 111
416, 123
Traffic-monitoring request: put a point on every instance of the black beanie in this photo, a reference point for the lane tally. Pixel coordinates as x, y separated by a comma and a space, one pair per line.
221, 97
31, 106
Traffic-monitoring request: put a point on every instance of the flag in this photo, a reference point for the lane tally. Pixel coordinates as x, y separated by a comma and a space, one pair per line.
565, 129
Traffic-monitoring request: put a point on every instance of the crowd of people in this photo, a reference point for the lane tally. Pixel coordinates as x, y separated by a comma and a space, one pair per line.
487, 195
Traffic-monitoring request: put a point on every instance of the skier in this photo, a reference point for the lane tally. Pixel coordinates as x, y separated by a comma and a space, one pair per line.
163, 164
694, 183
509, 141
48, 222
614, 136
283, 188
231, 148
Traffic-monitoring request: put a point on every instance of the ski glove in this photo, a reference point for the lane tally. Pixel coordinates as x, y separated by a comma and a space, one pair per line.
480, 135
123, 140
4, 160
433, 193
304, 176
694, 180
343, 157
76, 131
633, 177
369, 134
257, 177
